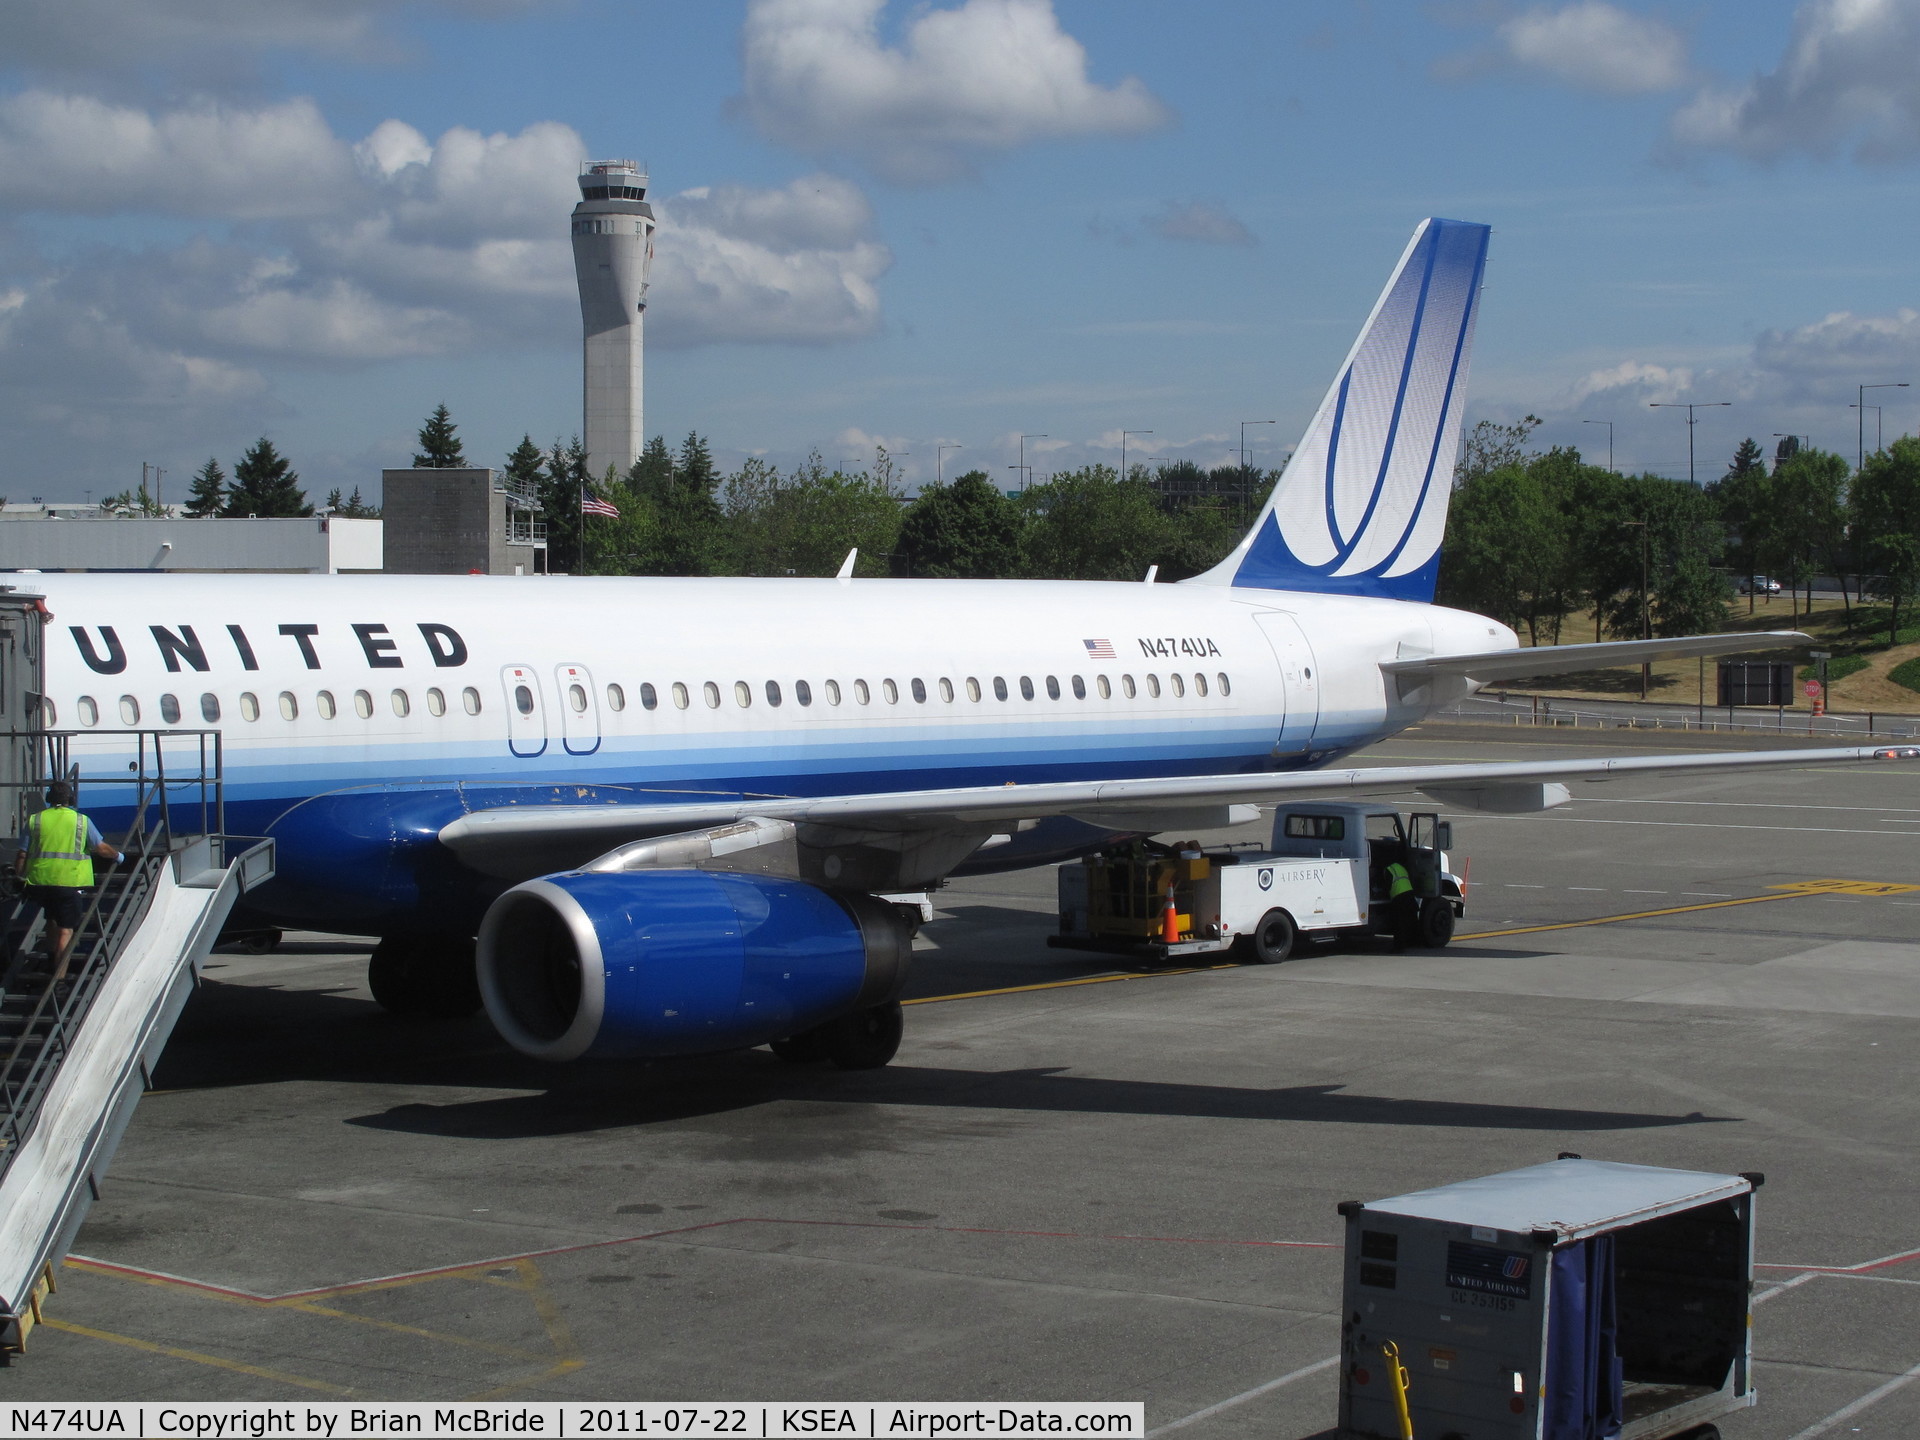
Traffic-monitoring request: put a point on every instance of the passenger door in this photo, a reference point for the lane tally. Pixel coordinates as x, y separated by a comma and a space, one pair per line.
579, 709
1302, 686
526, 715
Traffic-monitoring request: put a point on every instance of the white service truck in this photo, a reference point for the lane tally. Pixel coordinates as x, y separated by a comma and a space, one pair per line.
1325, 876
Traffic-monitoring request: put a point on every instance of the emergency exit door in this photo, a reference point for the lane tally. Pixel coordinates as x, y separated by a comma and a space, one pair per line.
526, 714
1301, 685
579, 709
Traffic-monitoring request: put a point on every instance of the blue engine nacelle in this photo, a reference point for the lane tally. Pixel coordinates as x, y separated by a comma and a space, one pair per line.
680, 962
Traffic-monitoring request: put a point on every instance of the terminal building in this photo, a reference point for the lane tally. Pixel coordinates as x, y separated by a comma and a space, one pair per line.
461, 521
310, 545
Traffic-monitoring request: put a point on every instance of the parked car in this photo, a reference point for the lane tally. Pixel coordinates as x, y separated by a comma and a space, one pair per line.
1759, 585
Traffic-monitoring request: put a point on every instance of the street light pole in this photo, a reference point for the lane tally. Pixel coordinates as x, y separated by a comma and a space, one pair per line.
1243, 440
1646, 615
940, 462
1023, 454
1860, 452
1609, 425
1689, 407
1123, 448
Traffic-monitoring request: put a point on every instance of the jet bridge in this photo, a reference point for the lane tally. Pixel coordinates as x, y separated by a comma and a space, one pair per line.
75, 1058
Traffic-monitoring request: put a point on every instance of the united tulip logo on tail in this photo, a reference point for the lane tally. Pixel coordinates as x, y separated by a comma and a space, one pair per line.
1362, 507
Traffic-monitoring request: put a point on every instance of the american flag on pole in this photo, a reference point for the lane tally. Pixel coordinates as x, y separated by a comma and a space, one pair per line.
591, 504
1099, 649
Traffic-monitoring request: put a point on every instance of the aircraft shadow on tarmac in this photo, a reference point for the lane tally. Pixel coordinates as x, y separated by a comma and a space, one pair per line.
683, 1090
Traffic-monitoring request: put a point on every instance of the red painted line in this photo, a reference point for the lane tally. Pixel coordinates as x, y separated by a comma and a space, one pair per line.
138, 1273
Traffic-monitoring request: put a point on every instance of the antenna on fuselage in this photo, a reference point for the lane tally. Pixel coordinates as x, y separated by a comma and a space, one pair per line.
846, 566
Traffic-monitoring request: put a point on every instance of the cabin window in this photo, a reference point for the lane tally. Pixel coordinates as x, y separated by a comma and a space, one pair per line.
209, 708
289, 707
973, 690
522, 699
1179, 685
742, 694
861, 693
1079, 688
1126, 686
363, 703
1026, 687
616, 698
249, 705
577, 698
1316, 827
129, 710
402, 706
833, 692
891, 691
1225, 687
170, 709
649, 697
919, 688
1053, 688
436, 701
470, 700
999, 687
946, 689
323, 702
1105, 687
1153, 687
1200, 685
803, 692
89, 710
680, 697
710, 692
773, 692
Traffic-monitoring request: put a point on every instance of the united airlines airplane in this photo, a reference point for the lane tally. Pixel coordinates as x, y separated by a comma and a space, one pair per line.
668, 808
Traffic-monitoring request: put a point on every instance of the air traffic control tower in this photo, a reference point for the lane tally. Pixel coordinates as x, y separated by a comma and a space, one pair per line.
612, 247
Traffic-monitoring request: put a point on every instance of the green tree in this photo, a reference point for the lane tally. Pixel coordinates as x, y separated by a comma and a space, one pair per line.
208, 491
963, 530
1805, 523
1088, 524
1884, 508
353, 509
1492, 446
563, 480
133, 504
265, 485
439, 445
688, 533
805, 523
1507, 542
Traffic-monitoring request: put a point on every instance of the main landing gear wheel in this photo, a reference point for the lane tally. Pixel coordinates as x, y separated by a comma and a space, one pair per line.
1273, 938
864, 1040
431, 977
1434, 928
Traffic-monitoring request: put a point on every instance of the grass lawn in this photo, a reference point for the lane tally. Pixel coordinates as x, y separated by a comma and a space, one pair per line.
1859, 673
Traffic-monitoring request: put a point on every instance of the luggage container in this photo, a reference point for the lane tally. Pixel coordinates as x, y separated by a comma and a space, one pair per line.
1574, 1300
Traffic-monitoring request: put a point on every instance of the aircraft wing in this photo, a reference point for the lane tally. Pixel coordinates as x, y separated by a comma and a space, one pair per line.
1490, 665
492, 840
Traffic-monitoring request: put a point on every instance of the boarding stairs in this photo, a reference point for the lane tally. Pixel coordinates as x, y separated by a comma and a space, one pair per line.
76, 1056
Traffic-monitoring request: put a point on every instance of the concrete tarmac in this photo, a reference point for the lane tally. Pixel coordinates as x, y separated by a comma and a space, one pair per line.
1109, 1186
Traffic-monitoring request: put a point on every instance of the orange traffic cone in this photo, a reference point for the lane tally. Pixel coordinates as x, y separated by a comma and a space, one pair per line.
1170, 921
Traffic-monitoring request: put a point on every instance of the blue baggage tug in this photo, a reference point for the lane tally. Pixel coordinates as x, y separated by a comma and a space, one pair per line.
1576, 1300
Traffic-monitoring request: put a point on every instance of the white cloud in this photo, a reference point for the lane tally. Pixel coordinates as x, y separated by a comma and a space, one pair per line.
1596, 46
987, 76
1850, 78
1200, 221
312, 250
202, 35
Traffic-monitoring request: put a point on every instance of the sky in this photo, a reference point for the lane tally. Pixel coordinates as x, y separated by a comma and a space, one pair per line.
940, 224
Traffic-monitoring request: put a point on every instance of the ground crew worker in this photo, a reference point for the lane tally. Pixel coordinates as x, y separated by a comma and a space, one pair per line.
1406, 905
53, 858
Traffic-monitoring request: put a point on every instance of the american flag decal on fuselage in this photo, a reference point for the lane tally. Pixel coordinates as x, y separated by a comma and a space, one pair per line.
1099, 649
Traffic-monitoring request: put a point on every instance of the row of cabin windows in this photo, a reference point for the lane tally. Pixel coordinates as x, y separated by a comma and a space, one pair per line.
803, 692
324, 705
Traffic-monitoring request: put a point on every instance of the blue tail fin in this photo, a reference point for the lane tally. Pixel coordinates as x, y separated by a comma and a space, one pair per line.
1362, 506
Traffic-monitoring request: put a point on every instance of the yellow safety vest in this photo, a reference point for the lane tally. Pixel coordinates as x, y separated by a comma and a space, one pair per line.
56, 848
1398, 881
